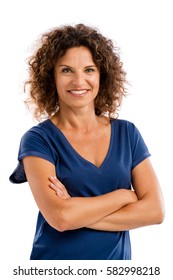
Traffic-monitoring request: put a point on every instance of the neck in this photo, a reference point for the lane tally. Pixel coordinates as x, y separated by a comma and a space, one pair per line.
78, 119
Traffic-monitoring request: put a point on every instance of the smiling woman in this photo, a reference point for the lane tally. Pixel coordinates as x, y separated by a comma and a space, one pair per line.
89, 172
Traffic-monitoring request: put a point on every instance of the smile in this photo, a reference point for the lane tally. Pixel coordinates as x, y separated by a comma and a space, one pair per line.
78, 92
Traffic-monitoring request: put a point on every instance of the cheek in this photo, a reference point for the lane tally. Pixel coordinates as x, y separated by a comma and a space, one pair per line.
60, 84
95, 82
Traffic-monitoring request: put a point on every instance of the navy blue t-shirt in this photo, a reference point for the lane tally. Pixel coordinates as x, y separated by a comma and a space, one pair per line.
82, 178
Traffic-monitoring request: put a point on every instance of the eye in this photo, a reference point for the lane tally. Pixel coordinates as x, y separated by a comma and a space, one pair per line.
89, 70
66, 70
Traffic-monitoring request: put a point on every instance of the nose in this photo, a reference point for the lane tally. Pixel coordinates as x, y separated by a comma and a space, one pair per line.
78, 80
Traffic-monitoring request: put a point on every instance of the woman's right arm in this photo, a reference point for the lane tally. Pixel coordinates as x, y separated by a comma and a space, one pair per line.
74, 212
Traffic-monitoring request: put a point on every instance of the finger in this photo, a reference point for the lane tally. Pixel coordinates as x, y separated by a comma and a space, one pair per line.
57, 183
53, 187
58, 191
54, 180
61, 193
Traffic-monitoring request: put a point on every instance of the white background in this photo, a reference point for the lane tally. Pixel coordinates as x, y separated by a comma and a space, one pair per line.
143, 31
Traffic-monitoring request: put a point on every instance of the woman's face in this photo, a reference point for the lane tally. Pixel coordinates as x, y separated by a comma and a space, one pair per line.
77, 79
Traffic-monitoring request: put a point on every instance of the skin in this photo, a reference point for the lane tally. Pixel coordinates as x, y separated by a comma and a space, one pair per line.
77, 80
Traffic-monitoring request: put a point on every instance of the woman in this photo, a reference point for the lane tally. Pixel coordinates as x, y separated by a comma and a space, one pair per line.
89, 172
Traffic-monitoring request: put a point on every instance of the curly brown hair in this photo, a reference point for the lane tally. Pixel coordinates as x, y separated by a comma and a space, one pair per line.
53, 45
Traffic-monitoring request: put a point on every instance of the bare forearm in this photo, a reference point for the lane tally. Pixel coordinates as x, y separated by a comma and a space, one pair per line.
121, 220
135, 215
148, 210
82, 212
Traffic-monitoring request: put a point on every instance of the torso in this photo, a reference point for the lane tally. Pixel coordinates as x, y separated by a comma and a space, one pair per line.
82, 179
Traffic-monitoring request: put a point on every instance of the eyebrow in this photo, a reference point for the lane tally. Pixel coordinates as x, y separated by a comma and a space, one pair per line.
63, 65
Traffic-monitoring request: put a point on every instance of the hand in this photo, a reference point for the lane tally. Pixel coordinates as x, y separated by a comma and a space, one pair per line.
58, 187
133, 196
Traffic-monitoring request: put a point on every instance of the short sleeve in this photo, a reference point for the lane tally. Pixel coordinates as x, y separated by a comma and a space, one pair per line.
138, 147
33, 143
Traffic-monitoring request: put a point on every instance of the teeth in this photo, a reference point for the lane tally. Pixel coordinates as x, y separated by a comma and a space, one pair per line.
78, 91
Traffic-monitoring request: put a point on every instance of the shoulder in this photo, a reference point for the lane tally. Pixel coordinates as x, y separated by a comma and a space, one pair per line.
41, 130
41, 127
121, 123
38, 141
38, 138
126, 129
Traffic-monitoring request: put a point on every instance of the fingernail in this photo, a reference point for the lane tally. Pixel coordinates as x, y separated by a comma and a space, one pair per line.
60, 193
52, 185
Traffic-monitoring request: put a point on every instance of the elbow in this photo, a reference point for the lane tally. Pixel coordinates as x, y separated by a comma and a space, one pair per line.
61, 222
60, 226
156, 213
159, 214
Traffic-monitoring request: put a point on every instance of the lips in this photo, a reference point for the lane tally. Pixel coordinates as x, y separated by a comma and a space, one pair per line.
78, 92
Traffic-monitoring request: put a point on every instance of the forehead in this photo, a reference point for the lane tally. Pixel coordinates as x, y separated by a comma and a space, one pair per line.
76, 54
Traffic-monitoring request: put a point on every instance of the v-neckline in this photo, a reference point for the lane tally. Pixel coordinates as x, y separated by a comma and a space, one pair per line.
72, 149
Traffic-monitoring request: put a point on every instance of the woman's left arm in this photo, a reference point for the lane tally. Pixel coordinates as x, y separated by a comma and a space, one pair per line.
148, 210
